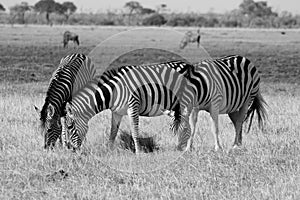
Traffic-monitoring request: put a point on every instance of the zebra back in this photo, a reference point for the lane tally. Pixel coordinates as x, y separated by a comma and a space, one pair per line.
181, 67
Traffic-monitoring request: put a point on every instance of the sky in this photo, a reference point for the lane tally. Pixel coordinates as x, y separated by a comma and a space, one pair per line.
202, 6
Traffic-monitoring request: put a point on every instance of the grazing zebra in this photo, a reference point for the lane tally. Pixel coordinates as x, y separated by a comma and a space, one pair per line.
228, 85
134, 90
73, 72
70, 36
190, 37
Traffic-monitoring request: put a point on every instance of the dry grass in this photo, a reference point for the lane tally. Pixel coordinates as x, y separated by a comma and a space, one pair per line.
267, 166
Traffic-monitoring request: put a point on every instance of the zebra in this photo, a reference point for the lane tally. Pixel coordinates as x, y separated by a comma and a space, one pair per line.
228, 85
190, 37
73, 72
145, 90
70, 36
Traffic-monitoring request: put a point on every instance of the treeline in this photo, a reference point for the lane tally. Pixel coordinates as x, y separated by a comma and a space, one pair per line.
248, 14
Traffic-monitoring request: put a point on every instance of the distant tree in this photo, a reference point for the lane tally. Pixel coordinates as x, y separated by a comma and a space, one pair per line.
68, 8
233, 18
2, 7
133, 6
287, 20
145, 11
179, 21
256, 9
200, 21
17, 12
48, 7
154, 20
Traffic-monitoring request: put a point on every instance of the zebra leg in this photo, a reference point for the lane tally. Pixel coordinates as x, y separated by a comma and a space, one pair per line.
184, 138
215, 128
62, 138
192, 121
133, 113
237, 119
65, 43
115, 124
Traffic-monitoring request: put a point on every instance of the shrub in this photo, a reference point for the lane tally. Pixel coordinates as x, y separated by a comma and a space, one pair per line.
179, 21
154, 20
107, 22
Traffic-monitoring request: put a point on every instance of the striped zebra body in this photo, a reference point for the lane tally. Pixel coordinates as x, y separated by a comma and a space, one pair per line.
134, 91
73, 73
229, 85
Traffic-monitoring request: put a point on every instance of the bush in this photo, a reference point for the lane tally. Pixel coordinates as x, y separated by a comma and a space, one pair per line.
107, 22
154, 20
179, 21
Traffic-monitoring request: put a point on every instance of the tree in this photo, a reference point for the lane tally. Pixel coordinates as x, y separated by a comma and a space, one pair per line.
256, 9
133, 6
179, 21
48, 7
287, 20
147, 11
233, 18
154, 20
18, 11
68, 8
2, 7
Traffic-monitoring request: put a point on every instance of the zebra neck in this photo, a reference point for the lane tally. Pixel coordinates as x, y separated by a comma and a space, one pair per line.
103, 97
85, 103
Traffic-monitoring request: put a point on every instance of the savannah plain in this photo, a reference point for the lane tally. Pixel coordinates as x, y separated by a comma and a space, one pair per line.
267, 166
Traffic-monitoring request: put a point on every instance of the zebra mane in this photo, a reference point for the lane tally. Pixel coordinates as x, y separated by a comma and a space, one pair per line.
64, 78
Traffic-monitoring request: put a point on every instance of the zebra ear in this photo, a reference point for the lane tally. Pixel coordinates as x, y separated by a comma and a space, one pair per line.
38, 111
50, 110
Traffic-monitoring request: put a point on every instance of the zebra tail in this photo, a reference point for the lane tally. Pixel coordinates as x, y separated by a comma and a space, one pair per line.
177, 124
257, 105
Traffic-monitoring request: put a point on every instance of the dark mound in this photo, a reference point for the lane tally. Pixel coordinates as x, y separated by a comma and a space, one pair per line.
147, 144
60, 175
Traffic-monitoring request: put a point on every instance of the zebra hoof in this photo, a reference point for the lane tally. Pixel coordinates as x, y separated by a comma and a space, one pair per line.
218, 148
139, 151
236, 146
180, 148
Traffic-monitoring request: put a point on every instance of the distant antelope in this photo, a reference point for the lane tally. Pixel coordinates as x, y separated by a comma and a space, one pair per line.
190, 37
70, 36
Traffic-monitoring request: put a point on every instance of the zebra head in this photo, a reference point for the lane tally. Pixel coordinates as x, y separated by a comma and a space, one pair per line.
75, 127
50, 124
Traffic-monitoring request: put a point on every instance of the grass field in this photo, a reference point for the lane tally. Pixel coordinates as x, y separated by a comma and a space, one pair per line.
267, 166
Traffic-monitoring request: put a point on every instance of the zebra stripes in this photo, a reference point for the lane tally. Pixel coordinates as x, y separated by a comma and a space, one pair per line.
228, 85
73, 73
133, 90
